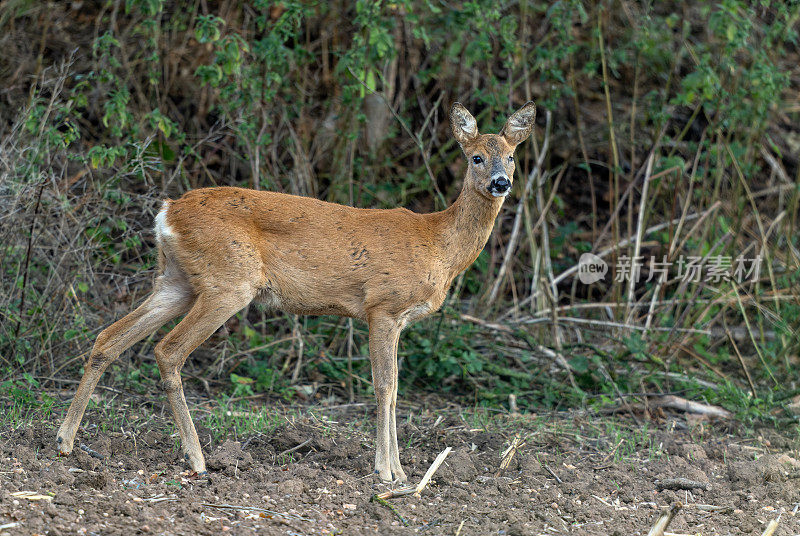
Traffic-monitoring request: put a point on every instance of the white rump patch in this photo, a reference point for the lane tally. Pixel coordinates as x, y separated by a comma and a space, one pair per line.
163, 230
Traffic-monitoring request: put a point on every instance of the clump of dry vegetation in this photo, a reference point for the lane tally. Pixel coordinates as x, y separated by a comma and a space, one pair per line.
667, 133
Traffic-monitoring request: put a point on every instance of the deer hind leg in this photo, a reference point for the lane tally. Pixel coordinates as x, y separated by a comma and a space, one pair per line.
384, 334
207, 314
171, 297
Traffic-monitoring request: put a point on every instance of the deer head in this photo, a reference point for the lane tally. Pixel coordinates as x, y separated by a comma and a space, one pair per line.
491, 156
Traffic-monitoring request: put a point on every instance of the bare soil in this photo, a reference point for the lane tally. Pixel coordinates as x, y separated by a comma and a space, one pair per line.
312, 475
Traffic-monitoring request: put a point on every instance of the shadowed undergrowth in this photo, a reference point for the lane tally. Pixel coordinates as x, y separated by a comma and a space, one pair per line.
666, 143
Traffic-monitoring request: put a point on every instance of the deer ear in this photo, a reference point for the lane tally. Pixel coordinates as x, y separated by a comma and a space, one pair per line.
465, 128
520, 124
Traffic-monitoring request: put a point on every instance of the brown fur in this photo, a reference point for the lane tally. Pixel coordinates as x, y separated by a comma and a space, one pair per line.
221, 248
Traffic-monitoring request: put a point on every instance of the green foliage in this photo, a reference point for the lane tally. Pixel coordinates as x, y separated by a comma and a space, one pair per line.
25, 400
232, 421
748, 409
208, 28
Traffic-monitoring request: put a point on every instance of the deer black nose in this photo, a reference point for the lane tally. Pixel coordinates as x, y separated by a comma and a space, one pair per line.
499, 185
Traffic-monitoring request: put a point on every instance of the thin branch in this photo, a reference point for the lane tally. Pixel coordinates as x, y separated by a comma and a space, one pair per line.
604, 253
638, 243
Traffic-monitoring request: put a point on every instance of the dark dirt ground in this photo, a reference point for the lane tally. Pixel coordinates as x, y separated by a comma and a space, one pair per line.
575, 474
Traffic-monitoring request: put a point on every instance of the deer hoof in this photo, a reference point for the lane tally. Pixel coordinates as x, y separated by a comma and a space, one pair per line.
64, 448
385, 475
197, 465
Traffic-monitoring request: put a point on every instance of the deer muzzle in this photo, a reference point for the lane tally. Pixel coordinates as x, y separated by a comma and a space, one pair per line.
499, 186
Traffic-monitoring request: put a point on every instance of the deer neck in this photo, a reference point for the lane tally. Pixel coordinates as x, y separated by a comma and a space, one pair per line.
466, 226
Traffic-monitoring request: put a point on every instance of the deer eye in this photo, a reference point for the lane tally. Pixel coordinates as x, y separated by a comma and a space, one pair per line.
477, 159
511, 158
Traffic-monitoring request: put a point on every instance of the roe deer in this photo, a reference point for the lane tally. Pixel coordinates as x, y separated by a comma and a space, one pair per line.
221, 248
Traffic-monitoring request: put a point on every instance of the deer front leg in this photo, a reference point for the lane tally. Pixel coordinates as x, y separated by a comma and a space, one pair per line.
384, 333
394, 459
